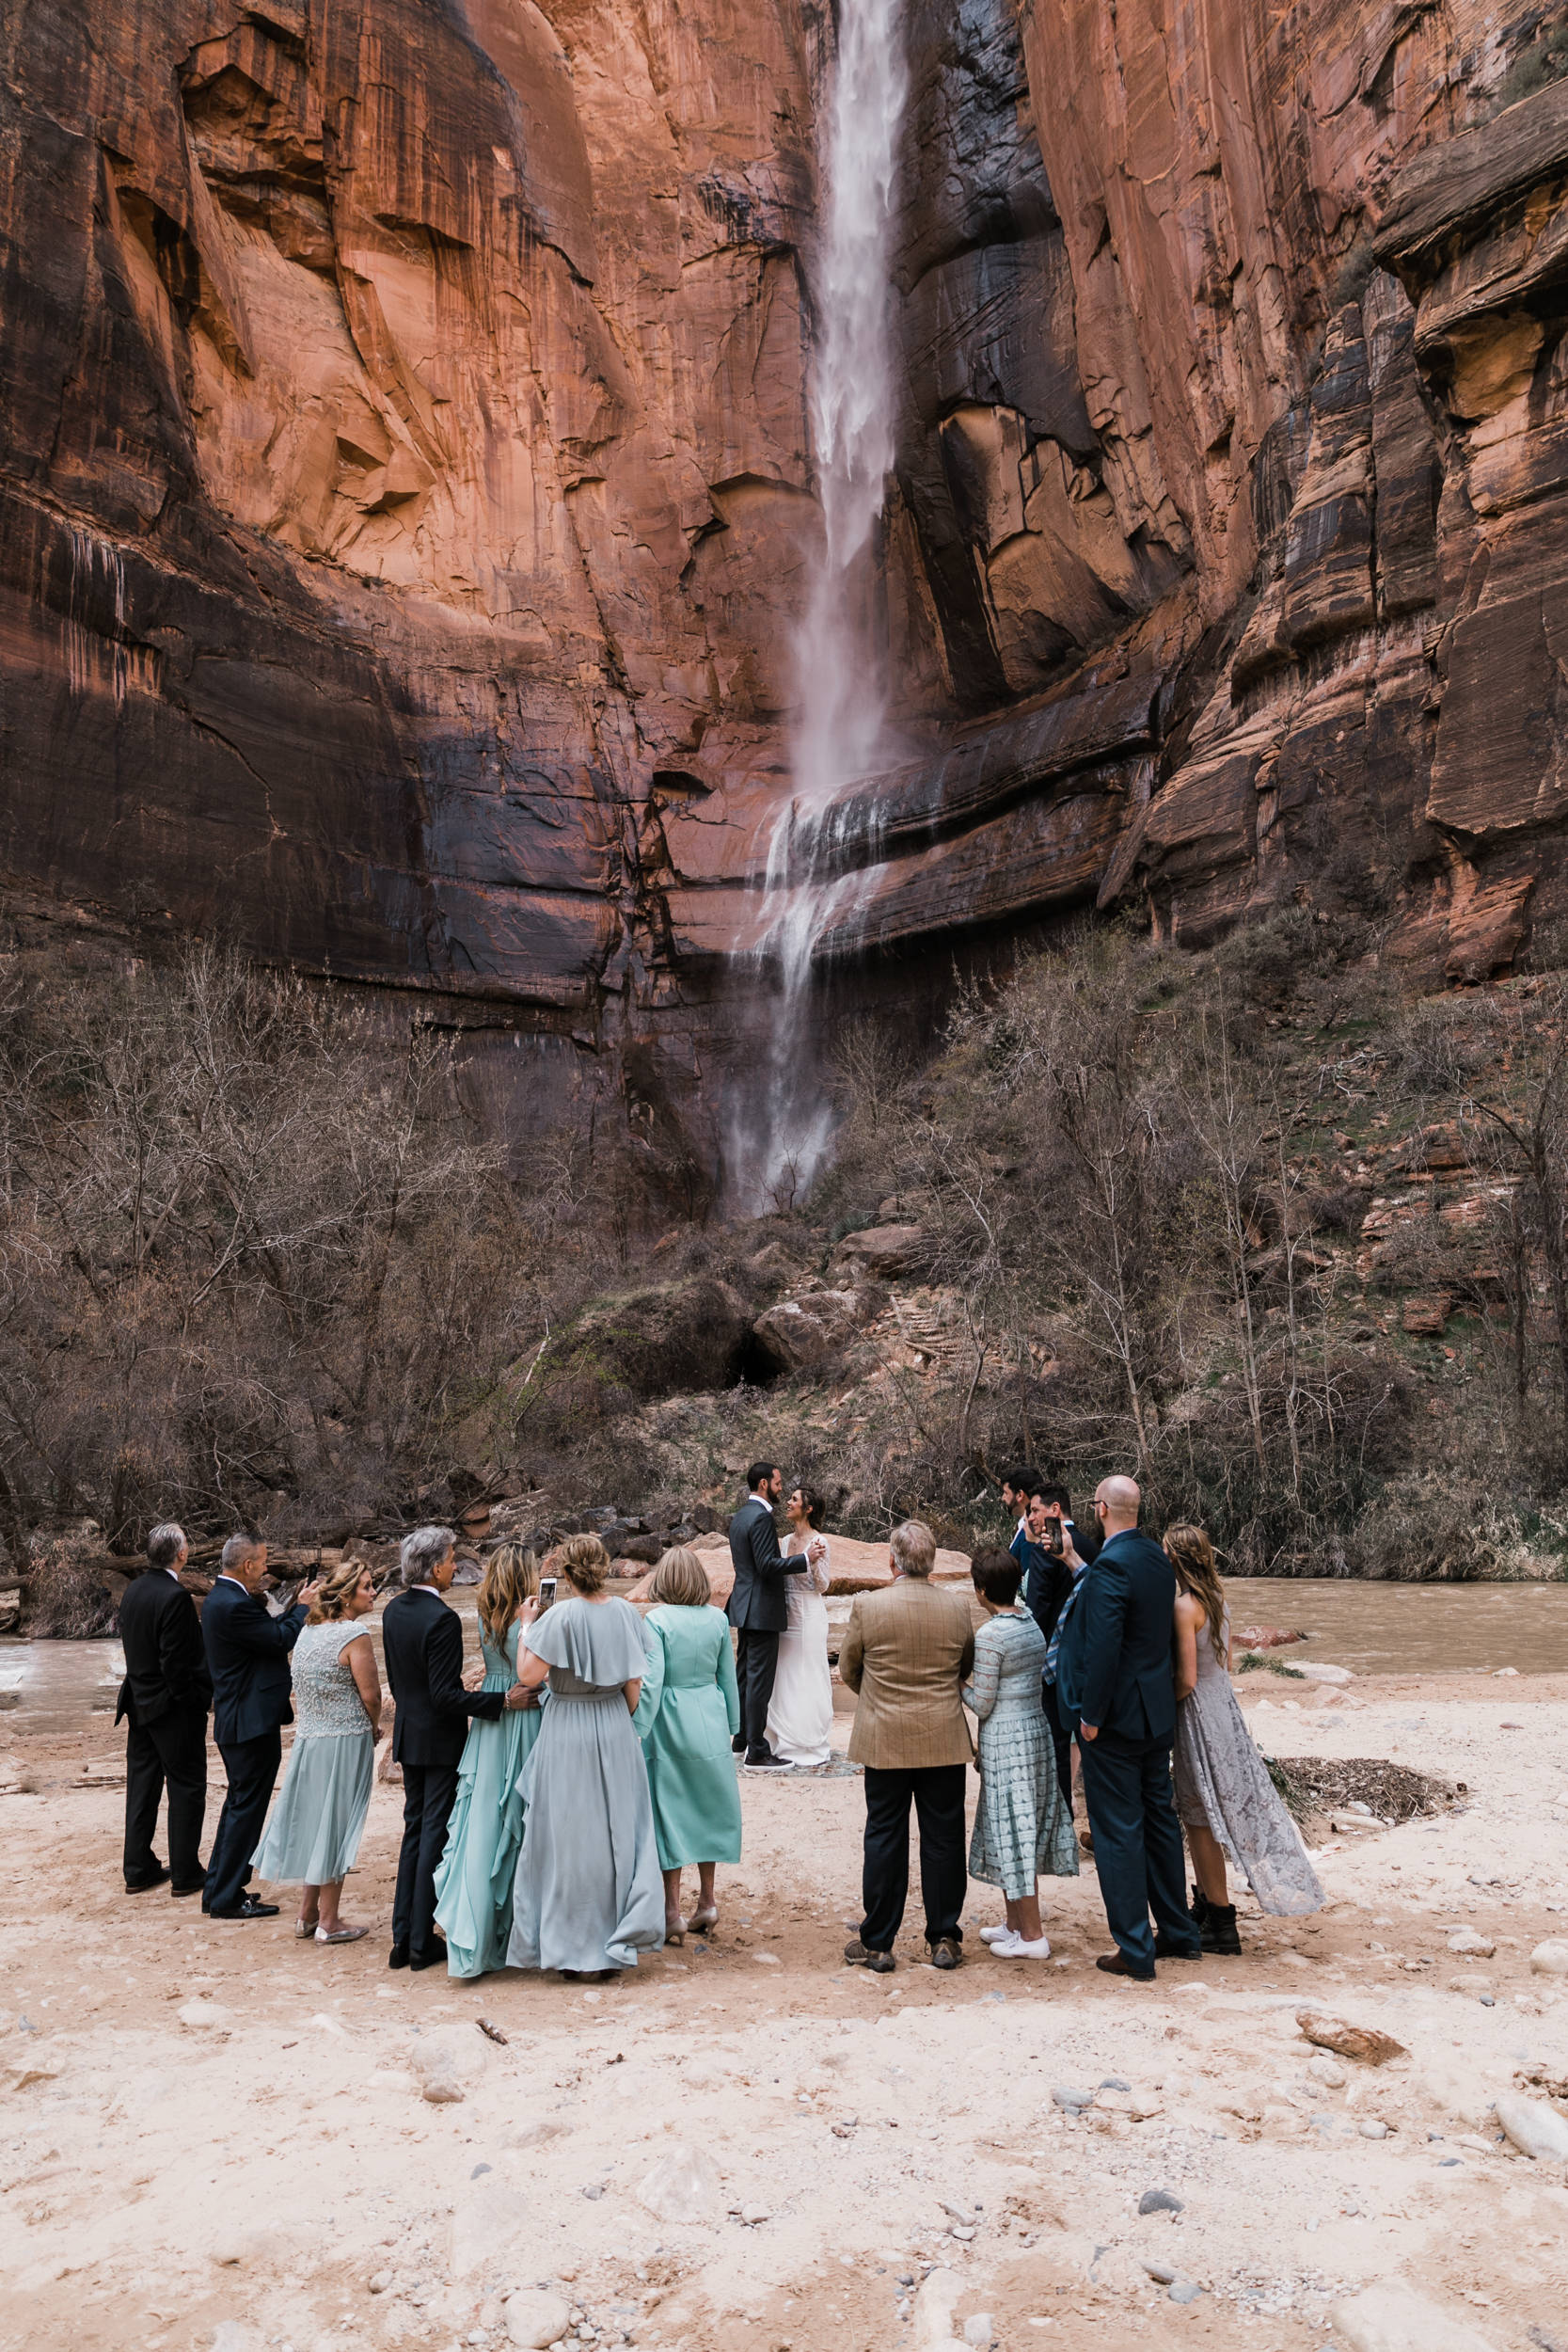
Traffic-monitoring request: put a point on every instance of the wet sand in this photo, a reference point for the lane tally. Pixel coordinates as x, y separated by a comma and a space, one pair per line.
216, 2137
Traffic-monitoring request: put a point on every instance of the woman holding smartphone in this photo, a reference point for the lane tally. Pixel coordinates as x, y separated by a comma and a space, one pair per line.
475, 1875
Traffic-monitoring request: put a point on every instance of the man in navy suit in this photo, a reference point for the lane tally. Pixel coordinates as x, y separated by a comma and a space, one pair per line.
1115, 1678
248, 1656
758, 1608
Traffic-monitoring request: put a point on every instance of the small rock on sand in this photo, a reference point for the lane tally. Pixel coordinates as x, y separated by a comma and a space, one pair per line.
1065, 2096
1159, 2200
1185, 2291
1389, 2318
933, 2310
1536, 2129
978, 2328
1362, 2043
1311, 1672
535, 2318
1472, 1944
683, 2186
438, 2069
1323, 2070
1163, 2274
1551, 1958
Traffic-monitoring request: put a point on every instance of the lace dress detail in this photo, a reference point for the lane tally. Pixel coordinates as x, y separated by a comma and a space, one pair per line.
327, 1705
1223, 1784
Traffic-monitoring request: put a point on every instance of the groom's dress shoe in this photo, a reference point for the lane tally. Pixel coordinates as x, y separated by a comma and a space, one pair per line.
1115, 1964
398, 1956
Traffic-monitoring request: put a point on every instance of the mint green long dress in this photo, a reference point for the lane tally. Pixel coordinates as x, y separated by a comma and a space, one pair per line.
475, 1875
688, 1713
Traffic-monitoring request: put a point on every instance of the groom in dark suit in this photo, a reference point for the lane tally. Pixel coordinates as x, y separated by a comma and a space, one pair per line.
247, 1655
163, 1699
1114, 1678
758, 1608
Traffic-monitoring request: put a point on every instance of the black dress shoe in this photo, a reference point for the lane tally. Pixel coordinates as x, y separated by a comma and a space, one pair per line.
197, 1886
1165, 1950
139, 1886
1115, 1965
737, 1746
398, 1956
434, 1958
249, 1909
767, 1762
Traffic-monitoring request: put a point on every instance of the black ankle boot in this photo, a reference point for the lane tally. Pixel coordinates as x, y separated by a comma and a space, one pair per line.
1199, 1905
1218, 1928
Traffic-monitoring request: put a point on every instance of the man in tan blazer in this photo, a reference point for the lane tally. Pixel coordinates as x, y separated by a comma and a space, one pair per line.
907, 1653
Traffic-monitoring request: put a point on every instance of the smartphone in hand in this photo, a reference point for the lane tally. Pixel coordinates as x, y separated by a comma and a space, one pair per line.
547, 1590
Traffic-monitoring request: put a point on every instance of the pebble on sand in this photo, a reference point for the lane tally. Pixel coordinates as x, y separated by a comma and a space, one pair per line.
1535, 2129
682, 2186
1159, 2200
1363, 2042
1551, 1958
536, 2318
1473, 1946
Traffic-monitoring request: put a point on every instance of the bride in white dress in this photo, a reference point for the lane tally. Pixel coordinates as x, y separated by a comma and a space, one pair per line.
800, 1714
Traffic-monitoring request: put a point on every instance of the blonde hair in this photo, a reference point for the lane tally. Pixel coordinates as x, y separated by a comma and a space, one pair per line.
511, 1577
338, 1588
584, 1560
1192, 1555
681, 1579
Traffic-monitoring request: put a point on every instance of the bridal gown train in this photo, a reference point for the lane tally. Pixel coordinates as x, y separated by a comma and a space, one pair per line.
800, 1713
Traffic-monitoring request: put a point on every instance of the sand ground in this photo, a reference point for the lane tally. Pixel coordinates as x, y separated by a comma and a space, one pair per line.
212, 2135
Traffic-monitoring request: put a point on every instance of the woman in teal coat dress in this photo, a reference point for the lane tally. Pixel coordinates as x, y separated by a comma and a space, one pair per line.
475, 1875
688, 1715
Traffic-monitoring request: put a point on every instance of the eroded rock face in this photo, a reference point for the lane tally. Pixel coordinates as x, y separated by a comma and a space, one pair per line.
405, 493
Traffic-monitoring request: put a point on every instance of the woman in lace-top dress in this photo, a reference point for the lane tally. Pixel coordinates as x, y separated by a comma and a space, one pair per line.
801, 1712
1229, 1806
317, 1822
1022, 1823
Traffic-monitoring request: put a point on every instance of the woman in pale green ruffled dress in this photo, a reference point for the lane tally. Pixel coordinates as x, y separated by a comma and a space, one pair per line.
317, 1823
475, 1876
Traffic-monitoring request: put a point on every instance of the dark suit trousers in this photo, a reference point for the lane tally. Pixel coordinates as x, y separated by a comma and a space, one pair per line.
428, 1794
1061, 1739
1137, 1845
252, 1769
173, 1750
938, 1792
756, 1662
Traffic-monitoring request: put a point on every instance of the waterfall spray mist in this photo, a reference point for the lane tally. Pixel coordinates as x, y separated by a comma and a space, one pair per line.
840, 694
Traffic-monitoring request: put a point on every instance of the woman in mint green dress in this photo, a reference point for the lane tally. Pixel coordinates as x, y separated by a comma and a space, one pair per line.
475, 1876
688, 1715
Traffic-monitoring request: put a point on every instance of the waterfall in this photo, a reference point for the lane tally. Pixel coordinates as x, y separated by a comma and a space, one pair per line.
840, 694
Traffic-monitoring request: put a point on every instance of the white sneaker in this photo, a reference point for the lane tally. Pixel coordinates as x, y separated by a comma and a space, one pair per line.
1019, 1949
995, 1936
1006, 1947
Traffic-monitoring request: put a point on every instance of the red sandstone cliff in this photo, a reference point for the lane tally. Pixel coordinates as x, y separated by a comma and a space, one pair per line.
405, 494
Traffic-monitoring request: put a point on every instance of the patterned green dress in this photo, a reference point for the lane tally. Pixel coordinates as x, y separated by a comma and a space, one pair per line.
1022, 1826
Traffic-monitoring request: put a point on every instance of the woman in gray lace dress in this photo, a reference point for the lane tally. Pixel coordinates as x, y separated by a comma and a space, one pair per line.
1022, 1824
1229, 1806
317, 1822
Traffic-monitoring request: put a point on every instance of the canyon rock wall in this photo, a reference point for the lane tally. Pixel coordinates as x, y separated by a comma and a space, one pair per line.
405, 497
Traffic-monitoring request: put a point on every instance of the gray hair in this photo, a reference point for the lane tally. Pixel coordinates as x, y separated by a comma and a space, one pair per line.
423, 1552
165, 1544
914, 1548
240, 1548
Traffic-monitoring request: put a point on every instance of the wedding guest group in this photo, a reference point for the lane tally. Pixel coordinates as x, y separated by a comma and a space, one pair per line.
550, 1815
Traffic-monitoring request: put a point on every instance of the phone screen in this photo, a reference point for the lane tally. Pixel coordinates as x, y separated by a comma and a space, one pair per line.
547, 1590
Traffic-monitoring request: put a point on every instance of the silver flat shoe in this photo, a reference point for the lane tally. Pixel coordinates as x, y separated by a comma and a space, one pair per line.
303, 1929
340, 1936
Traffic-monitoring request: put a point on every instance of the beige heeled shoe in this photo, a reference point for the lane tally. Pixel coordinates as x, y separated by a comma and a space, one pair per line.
676, 1935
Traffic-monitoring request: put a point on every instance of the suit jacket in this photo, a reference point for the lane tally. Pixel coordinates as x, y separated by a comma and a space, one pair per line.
908, 1652
758, 1602
422, 1639
247, 1656
1115, 1668
166, 1666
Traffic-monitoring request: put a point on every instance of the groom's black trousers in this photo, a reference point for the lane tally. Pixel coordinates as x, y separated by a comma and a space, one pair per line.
937, 1791
756, 1662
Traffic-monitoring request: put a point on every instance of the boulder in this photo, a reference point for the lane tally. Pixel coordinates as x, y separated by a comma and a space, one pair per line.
1551, 1958
1266, 1637
801, 1333
535, 2318
886, 1251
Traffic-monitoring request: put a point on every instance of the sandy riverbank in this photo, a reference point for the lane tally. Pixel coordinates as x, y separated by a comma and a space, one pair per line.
214, 2136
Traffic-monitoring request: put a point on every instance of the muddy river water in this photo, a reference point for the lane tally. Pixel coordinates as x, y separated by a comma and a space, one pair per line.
1375, 1628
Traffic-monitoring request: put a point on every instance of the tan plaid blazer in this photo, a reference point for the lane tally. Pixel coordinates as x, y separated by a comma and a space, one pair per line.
906, 1652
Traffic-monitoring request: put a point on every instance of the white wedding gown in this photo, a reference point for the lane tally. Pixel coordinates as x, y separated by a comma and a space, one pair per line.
800, 1714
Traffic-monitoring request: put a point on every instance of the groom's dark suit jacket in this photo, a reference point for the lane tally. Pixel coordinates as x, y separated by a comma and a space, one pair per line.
759, 1603
1114, 1668
422, 1639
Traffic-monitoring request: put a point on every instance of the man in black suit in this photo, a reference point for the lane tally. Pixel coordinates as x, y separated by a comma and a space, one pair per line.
758, 1608
248, 1656
1049, 1577
422, 1639
1115, 1681
163, 1699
